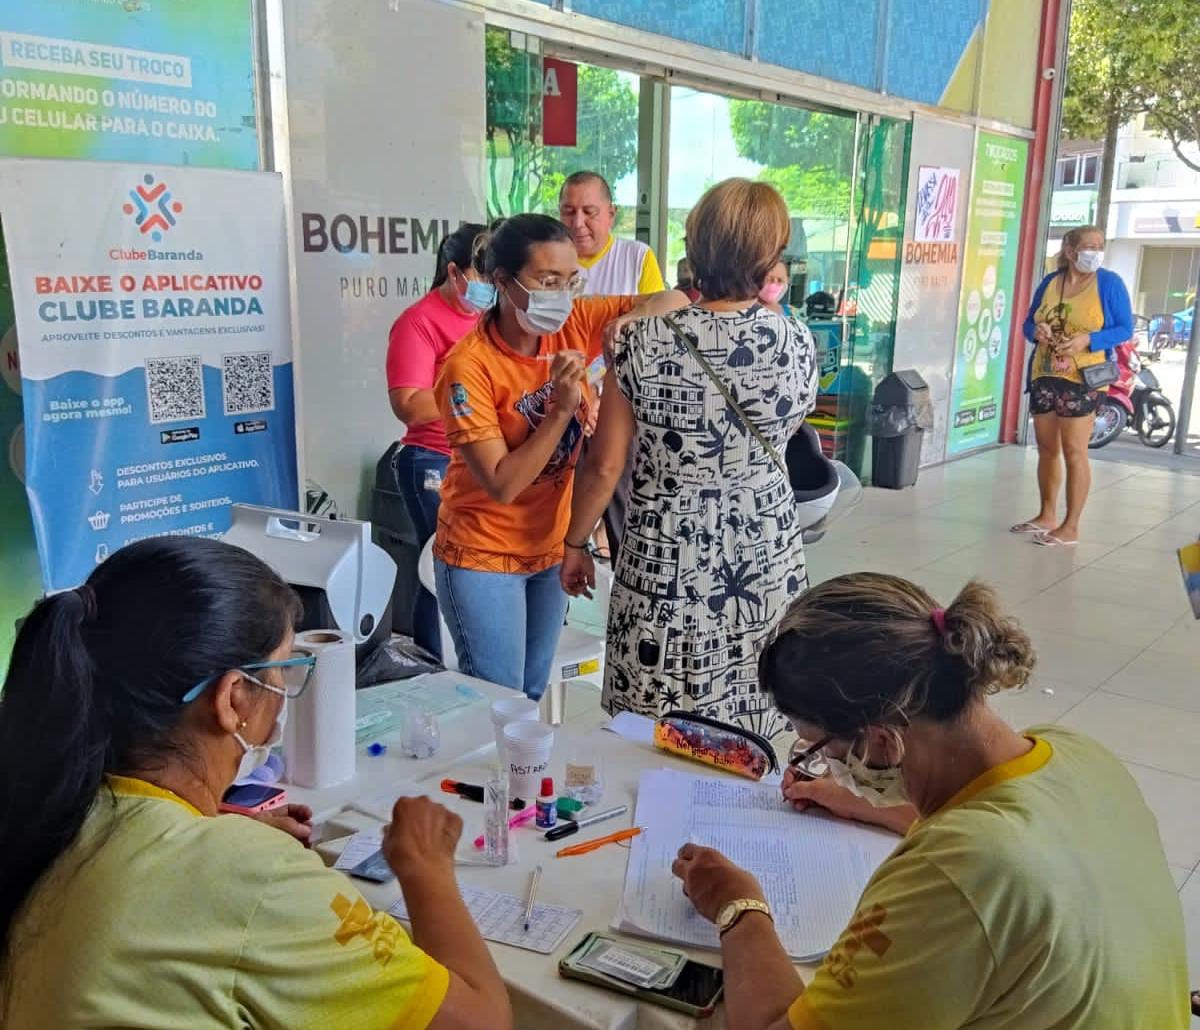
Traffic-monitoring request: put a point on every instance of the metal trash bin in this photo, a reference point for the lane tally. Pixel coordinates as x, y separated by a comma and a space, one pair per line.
900, 413
396, 534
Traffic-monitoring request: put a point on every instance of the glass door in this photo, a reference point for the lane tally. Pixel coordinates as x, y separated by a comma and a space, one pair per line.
869, 304
526, 174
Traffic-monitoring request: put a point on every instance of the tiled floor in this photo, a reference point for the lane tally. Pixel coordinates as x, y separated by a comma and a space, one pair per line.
1119, 652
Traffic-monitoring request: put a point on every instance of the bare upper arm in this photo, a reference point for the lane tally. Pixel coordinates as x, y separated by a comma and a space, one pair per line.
401, 400
483, 458
465, 1008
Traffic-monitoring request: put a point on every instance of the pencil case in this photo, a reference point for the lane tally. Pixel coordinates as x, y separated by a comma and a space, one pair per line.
719, 744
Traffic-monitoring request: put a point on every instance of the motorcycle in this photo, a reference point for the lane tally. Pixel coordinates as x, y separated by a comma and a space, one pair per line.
1135, 399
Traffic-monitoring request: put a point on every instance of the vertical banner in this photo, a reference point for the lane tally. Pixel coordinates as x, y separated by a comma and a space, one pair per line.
168, 81
985, 316
934, 236
560, 102
153, 316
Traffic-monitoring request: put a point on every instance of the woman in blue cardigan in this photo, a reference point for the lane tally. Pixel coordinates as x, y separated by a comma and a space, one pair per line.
1079, 314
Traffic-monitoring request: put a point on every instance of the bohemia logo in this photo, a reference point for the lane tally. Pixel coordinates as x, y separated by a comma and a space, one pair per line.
153, 208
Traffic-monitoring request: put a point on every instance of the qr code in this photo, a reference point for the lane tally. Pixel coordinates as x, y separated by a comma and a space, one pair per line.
176, 388
249, 382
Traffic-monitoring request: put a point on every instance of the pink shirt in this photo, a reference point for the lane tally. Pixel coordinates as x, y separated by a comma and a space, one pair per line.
417, 347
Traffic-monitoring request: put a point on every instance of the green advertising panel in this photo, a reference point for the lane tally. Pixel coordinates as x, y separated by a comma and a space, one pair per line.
170, 82
985, 312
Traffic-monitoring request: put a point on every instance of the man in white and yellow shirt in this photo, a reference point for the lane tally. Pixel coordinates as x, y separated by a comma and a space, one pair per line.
611, 266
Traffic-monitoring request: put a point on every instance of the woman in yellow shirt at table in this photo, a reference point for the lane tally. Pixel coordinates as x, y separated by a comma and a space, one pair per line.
1030, 891
131, 704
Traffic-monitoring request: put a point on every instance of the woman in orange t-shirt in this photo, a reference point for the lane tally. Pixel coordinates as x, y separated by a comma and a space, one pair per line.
515, 395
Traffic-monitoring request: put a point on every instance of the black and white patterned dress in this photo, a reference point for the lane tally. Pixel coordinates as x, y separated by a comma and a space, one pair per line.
711, 556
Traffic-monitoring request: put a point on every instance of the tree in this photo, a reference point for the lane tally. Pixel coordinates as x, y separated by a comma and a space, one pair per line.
606, 137
514, 121
1131, 57
809, 155
1173, 107
778, 136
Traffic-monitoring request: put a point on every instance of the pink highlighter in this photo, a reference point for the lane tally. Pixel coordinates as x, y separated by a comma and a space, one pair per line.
520, 819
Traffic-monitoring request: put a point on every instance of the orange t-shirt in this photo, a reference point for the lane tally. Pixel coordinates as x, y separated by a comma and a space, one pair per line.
487, 391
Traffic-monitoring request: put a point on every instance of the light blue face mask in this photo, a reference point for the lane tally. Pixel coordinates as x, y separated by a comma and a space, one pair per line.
479, 296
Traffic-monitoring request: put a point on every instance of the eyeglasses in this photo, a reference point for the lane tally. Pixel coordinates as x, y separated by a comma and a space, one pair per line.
575, 285
808, 759
297, 671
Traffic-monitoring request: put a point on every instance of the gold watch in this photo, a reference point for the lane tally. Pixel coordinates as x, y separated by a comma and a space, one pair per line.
734, 910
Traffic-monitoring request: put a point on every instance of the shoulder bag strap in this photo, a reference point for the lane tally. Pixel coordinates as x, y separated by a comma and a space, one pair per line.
686, 340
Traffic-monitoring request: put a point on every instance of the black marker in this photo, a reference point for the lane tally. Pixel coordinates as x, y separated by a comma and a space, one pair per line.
567, 828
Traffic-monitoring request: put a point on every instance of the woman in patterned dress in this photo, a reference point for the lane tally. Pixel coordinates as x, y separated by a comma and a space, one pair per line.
714, 554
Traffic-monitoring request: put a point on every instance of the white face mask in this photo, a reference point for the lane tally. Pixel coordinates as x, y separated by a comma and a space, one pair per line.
883, 788
548, 310
254, 756
1088, 261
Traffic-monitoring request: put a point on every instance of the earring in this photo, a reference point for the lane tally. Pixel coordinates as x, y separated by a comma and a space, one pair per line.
242, 725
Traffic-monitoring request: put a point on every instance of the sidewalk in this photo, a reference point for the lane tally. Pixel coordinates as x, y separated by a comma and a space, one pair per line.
1119, 651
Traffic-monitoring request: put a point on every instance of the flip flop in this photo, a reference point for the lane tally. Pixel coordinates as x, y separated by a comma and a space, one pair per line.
1027, 527
1050, 540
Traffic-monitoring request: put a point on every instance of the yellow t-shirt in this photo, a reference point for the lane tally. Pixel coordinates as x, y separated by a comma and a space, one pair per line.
1037, 898
1082, 313
159, 917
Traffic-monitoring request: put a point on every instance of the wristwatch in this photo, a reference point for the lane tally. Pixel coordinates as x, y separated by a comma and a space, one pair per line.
734, 910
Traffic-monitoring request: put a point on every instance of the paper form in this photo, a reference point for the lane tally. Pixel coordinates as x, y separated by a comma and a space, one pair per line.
812, 868
359, 848
501, 917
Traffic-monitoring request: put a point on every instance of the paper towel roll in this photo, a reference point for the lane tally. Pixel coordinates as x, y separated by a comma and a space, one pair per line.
318, 740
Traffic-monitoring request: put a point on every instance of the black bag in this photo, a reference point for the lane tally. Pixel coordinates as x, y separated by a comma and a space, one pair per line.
1097, 376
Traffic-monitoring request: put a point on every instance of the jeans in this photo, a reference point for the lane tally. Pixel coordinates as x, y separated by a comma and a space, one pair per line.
419, 473
505, 626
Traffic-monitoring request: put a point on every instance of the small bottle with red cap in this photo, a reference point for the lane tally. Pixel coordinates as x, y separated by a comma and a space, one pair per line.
547, 805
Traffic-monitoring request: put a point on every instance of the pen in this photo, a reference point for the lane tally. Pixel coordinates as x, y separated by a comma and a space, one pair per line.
598, 842
575, 826
519, 819
533, 886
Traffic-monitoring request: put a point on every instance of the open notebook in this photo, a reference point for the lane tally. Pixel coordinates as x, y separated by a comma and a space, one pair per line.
812, 868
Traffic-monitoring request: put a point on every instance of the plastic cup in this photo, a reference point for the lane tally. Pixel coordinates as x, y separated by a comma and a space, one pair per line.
511, 709
527, 747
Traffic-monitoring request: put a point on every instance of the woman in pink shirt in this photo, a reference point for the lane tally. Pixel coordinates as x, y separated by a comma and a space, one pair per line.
418, 344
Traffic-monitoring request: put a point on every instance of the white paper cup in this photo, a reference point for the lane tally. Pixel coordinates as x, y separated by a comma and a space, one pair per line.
511, 709
527, 747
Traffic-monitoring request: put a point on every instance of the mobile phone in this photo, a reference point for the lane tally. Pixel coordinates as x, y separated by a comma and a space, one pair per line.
252, 798
695, 991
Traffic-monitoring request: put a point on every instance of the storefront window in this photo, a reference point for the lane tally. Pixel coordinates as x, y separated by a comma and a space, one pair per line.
807, 155
874, 278
1167, 282
526, 175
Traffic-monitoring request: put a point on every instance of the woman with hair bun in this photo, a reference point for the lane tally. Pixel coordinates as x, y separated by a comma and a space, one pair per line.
1030, 890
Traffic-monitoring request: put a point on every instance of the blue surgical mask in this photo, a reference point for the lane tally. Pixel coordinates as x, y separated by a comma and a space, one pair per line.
479, 296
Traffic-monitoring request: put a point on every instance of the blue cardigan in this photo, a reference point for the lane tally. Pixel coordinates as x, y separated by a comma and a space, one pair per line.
1114, 301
